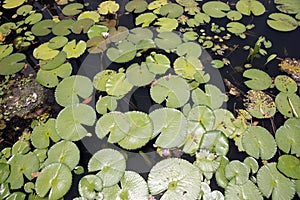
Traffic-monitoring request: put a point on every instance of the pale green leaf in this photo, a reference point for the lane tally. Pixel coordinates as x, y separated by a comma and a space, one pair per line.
118, 85
215, 9
260, 80
246, 7
89, 186
139, 75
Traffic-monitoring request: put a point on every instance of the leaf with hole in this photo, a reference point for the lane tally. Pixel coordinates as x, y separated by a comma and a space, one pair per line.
70, 121
111, 165
216, 9
260, 80
246, 7
12, 63
176, 178
282, 22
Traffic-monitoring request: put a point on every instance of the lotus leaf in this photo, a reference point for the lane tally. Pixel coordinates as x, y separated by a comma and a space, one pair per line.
4, 190
282, 22
105, 104
136, 6
139, 75
33, 18
5, 50
259, 104
174, 90
133, 187
54, 181
289, 7
215, 9
140, 132
234, 15
187, 67
139, 34
166, 24
57, 42
260, 80
93, 15
43, 28
72, 9
172, 125
12, 63
70, 121
100, 79
252, 164
285, 84
49, 78
115, 123
111, 165
212, 97
171, 10
74, 50
5, 171
108, 7
124, 52
168, 40
237, 172
177, 178
157, 63
9, 4
24, 10
289, 165
236, 28
118, 85
271, 182
189, 49
288, 104
259, 143
248, 190
70, 88
40, 137
97, 30
89, 186
246, 7
43, 52
82, 25
145, 19
19, 165
288, 138
202, 18
65, 152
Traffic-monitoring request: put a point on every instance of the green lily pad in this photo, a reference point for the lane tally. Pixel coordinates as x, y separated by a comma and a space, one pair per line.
106, 104
21, 146
272, 183
108, 7
215, 9
248, 190
289, 7
187, 67
289, 165
111, 165
216, 142
171, 10
282, 22
140, 132
65, 152
236, 28
118, 85
55, 62
288, 138
40, 137
224, 122
57, 42
5, 50
74, 50
70, 89
217, 63
203, 116
288, 104
136, 6
145, 19
97, 30
22, 165
89, 186
5, 171
100, 79
234, 15
167, 40
12, 63
4, 190
93, 15
285, 84
260, 80
171, 124
259, 143
246, 7
63, 27
43, 28
237, 172
16, 195
24, 10
202, 18
9, 4
72, 9
43, 52
158, 63
33, 18
124, 52
252, 164
189, 49
54, 181
70, 121
176, 178
137, 35
49, 78
174, 90
166, 24
82, 25
139, 75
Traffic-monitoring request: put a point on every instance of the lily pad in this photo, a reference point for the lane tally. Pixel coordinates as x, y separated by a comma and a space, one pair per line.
285, 84
215, 142
5, 50
108, 7
72, 9
289, 165
137, 35
189, 49
89, 186
252, 164
43, 28
12, 63
82, 25
188, 67
100, 79
236, 28
168, 40
5, 171
57, 42
93, 15
118, 85
70, 89
145, 19
202, 18
248, 190
171, 10
271, 182
289, 7
74, 50
158, 63
282, 22
139, 75
216, 9
237, 172
9, 4
111, 165
97, 30
70, 121
43, 52
174, 90
63, 27
172, 126
136, 6
33, 18
106, 104
124, 52
260, 80
259, 143
246, 7
54, 181
166, 24
217, 63
288, 104
234, 15
176, 178
55, 62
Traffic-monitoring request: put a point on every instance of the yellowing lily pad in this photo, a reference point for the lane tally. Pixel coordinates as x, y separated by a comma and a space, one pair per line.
74, 50
43, 52
9, 4
247, 7
108, 7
